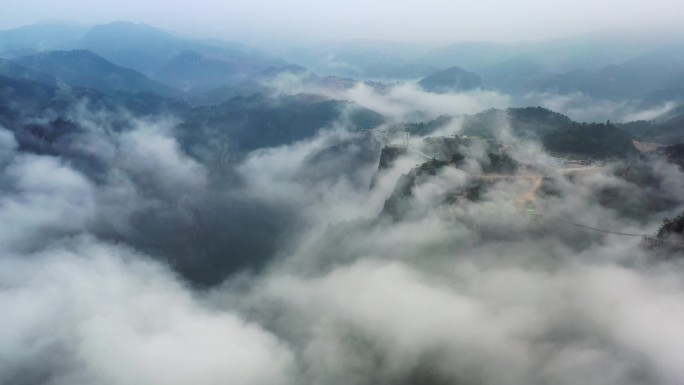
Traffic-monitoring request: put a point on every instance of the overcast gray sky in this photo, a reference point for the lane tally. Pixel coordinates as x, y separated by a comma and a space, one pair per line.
408, 20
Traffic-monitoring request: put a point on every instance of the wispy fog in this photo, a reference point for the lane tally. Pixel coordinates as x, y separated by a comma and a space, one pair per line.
467, 292
366, 193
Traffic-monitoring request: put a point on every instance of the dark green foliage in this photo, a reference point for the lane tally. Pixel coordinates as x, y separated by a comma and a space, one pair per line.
454, 149
641, 129
36, 114
246, 123
450, 152
20, 97
667, 132
430, 167
45, 138
423, 129
593, 139
535, 120
648, 191
499, 162
530, 122
249, 123
218, 233
672, 227
557, 132
475, 189
447, 148
225, 235
674, 154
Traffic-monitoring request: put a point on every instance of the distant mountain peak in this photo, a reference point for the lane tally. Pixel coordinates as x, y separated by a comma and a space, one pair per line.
451, 79
126, 35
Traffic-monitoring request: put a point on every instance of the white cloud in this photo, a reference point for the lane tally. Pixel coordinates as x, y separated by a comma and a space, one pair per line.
112, 316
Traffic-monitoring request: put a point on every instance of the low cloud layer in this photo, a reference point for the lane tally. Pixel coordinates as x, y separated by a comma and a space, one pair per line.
407, 101
584, 108
89, 313
106, 249
400, 102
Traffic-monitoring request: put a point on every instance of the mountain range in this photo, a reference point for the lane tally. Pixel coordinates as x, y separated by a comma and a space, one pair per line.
144, 67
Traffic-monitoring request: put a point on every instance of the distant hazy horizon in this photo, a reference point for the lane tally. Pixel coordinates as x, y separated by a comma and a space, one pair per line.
429, 21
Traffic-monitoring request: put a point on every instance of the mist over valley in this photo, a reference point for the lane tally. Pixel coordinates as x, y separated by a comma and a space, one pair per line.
203, 210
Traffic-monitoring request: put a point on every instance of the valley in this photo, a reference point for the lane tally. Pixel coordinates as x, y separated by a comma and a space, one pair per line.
243, 200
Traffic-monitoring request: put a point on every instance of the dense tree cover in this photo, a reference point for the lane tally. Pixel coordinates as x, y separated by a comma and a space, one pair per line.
448, 152
22, 102
668, 131
525, 121
594, 139
218, 233
248, 123
672, 228
425, 128
225, 232
454, 150
530, 122
556, 132
535, 119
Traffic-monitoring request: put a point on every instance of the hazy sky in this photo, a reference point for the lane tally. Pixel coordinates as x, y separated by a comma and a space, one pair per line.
434, 20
